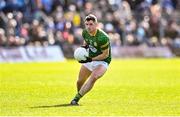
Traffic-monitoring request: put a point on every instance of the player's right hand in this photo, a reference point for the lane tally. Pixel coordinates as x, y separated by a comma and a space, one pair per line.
88, 59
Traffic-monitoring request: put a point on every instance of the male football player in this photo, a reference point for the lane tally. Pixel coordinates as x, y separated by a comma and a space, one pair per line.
97, 42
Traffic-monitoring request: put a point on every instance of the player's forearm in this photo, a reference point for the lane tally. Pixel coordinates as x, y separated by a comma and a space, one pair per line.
101, 56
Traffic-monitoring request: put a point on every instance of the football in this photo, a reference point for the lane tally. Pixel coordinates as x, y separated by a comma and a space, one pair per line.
80, 54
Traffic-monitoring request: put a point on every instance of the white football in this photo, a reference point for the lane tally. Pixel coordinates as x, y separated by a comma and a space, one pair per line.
80, 54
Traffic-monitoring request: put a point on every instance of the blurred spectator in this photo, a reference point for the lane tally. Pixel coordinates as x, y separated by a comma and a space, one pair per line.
2, 37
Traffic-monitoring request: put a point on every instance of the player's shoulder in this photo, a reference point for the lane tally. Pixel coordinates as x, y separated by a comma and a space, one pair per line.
102, 33
102, 36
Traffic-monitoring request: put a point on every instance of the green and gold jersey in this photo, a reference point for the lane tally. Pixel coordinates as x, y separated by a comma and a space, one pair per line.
97, 43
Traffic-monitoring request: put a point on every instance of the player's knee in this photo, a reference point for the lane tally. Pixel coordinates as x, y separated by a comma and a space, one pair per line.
95, 77
98, 75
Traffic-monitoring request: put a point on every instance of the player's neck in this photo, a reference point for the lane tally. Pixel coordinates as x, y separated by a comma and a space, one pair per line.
93, 33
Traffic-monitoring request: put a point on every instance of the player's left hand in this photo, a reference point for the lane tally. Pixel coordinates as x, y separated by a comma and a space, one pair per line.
88, 59
85, 46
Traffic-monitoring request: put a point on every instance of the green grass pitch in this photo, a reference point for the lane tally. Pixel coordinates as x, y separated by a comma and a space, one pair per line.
131, 87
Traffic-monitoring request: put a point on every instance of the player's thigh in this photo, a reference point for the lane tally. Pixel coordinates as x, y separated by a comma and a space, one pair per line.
98, 72
84, 73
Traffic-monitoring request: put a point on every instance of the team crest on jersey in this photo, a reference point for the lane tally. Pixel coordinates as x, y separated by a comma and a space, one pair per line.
95, 44
91, 42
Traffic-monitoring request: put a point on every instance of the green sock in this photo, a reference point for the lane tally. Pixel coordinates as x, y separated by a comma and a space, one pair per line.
77, 97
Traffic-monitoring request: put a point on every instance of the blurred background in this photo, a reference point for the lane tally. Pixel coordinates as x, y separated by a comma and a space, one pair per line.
50, 30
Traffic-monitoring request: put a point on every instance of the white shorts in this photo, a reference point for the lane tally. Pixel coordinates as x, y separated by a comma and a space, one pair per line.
92, 65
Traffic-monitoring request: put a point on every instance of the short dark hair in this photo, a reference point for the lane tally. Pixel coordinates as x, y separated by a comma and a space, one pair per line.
91, 17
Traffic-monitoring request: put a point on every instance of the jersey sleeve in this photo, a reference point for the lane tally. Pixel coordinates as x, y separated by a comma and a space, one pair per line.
83, 34
104, 43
